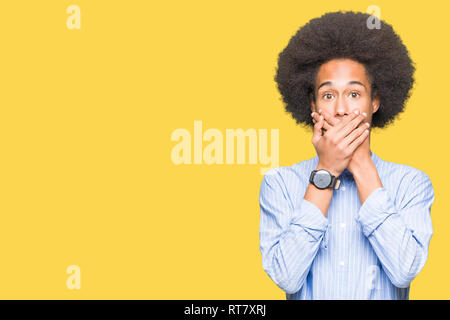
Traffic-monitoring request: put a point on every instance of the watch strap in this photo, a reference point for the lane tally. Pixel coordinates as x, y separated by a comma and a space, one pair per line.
335, 183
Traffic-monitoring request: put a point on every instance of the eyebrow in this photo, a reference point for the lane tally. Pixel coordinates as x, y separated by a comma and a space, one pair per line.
350, 82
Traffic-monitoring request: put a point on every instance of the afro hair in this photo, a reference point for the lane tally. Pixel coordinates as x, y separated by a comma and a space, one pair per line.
345, 35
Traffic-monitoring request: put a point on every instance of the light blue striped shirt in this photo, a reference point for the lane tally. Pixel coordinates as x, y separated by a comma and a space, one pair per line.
369, 251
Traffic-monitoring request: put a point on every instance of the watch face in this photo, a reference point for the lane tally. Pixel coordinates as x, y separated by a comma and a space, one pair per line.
322, 179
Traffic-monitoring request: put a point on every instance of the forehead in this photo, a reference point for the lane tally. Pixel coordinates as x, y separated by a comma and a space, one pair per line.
341, 71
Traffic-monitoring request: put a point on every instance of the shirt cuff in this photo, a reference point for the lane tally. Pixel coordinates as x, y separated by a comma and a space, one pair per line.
377, 208
310, 218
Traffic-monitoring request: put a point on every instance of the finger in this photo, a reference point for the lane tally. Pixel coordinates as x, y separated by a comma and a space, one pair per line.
316, 116
355, 134
328, 117
353, 124
349, 126
318, 130
357, 142
345, 120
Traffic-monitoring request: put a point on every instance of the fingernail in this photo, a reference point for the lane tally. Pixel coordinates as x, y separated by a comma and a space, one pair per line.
320, 110
367, 124
312, 114
356, 111
364, 114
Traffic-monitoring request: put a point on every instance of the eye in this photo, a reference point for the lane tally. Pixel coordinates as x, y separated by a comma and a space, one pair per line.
327, 96
354, 94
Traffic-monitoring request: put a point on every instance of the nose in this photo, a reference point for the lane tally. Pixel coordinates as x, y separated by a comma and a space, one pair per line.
340, 113
341, 110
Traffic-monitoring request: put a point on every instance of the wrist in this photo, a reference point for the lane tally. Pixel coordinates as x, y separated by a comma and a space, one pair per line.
331, 170
363, 168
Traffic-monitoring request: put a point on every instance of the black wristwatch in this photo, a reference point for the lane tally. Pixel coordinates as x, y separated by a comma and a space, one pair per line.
323, 179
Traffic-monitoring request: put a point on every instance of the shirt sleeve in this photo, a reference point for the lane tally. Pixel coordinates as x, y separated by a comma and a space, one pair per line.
400, 236
289, 237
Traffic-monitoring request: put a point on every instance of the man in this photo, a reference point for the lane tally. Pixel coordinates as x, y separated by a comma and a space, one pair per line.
345, 224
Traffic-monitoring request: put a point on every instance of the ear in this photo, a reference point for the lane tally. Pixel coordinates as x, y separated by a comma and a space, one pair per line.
313, 103
375, 103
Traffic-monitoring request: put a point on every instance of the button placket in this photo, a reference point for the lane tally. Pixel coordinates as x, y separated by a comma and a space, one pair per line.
342, 226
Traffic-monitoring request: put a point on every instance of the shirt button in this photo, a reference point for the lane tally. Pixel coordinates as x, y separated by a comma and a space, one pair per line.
341, 263
342, 225
343, 188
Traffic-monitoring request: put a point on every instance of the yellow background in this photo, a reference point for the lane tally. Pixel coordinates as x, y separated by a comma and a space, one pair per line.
86, 118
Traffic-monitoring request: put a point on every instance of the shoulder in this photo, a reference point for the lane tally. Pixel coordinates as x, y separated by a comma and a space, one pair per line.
404, 181
402, 173
291, 178
298, 170
287, 183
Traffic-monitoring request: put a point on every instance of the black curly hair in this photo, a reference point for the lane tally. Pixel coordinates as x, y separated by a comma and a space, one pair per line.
345, 35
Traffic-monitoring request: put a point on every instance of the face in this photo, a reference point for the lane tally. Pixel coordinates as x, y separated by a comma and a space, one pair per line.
342, 86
